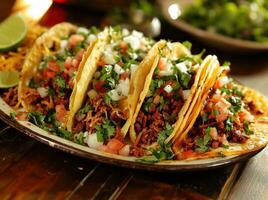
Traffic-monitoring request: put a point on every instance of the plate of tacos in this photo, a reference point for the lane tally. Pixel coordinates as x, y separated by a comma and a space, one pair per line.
119, 97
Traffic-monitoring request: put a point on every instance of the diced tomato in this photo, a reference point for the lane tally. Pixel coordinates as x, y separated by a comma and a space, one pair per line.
213, 133
187, 154
219, 83
60, 112
99, 86
114, 145
68, 63
49, 74
75, 63
64, 75
161, 64
22, 116
79, 55
120, 63
124, 76
101, 62
245, 115
71, 83
75, 39
123, 45
52, 65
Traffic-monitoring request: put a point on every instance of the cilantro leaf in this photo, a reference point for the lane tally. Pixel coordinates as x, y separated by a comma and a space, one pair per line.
105, 131
247, 129
202, 144
229, 124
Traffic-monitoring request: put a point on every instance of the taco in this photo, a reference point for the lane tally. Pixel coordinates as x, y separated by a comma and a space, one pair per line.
233, 121
174, 86
49, 71
108, 104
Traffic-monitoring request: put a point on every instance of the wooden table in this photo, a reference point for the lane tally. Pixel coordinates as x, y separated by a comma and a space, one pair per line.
31, 170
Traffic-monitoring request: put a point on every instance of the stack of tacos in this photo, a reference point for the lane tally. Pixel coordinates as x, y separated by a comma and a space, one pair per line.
123, 93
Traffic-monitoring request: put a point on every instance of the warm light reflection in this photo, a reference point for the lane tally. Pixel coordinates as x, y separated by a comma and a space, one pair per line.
32, 9
174, 11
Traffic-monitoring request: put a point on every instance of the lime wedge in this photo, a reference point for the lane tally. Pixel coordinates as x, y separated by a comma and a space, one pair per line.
9, 79
12, 32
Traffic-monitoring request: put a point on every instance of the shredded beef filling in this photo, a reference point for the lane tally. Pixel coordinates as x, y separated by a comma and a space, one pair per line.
99, 112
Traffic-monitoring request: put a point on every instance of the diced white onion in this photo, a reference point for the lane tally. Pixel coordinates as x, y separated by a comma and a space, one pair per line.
168, 88
137, 34
133, 41
82, 30
123, 87
125, 32
182, 67
63, 45
118, 69
133, 68
114, 95
121, 90
186, 94
43, 92
165, 73
109, 57
225, 80
93, 142
90, 38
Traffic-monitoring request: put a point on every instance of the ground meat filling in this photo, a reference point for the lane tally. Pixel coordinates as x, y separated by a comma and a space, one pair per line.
99, 111
150, 123
11, 96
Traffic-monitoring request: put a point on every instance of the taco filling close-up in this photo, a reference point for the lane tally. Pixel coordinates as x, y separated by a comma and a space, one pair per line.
106, 108
48, 91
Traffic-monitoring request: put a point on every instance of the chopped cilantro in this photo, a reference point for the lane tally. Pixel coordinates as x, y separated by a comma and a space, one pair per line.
163, 151
147, 104
225, 146
216, 112
79, 138
229, 124
60, 81
12, 115
162, 103
225, 90
202, 144
237, 92
236, 104
33, 84
84, 110
205, 117
51, 92
247, 129
221, 154
187, 44
184, 80
107, 99
105, 131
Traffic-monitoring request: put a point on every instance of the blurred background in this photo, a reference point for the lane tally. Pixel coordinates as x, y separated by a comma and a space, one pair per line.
144, 15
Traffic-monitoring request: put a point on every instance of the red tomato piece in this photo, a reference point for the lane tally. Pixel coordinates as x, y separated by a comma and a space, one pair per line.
68, 63
124, 76
124, 47
52, 66
60, 112
161, 64
114, 145
75, 39
100, 86
49, 74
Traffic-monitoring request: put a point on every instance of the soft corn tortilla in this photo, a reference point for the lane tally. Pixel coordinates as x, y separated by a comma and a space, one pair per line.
178, 50
85, 75
257, 141
35, 56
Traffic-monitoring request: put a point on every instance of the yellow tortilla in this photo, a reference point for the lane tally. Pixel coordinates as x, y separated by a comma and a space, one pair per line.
35, 56
256, 141
85, 74
177, 50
